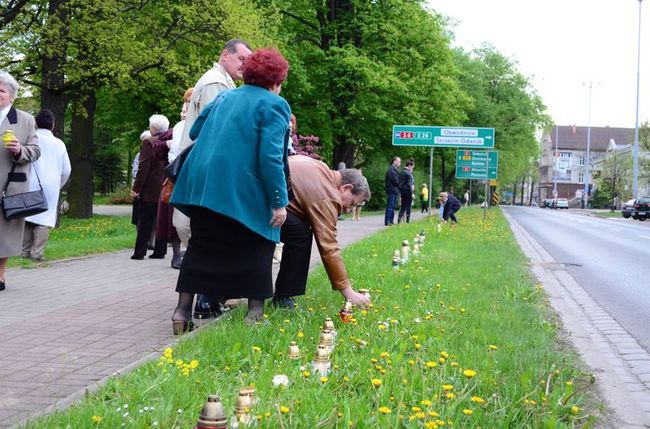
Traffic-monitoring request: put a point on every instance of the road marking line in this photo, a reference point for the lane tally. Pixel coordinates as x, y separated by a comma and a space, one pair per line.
644, 236
615, 229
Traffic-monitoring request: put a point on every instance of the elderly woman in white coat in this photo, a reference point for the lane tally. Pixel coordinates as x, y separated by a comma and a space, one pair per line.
52, 170
20, 151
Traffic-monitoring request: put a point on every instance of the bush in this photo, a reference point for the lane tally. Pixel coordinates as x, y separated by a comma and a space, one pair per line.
121, 196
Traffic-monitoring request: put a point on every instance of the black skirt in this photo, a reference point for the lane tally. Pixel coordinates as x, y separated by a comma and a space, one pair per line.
224, 258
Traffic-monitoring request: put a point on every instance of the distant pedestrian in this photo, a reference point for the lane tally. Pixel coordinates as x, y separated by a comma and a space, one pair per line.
466, 198
451, 206
424, 198
406, 187
391, 185
53, 168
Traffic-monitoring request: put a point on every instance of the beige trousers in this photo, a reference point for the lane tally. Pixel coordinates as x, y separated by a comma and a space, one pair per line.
182, 225
34, 240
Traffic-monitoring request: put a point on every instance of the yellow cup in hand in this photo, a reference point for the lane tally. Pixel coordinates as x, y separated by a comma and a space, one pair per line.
8, 137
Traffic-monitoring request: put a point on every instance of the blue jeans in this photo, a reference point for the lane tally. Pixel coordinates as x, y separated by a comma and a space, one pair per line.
389, 217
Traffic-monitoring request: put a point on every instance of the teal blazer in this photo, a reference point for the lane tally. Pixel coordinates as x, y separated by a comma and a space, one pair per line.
236, 167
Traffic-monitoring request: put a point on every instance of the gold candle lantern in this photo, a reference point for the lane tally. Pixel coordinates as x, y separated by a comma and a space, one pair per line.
243, 407
396, 259
346, 312
294, 351
327, 340
249, 391
321, 363
329, 325
405, 251
212, 415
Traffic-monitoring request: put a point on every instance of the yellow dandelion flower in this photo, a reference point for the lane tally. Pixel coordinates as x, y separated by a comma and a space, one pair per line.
431, 425
376, 382
468, 412
441, 360
575, 410
433, 414
306, 374
447, 387
384, 355
411, 362
478, 400
267, 414
381, 327
385, 410
300, 334
492, 347
284, 410
444, 354
469, 373
282, 330
454, 364
346, 378
450, 395
194, 364
256, 349
415, 409
440, 422
431, 364
96, 419
425, 402
420, 415
418, 346
364, 312
168, 351
324, 379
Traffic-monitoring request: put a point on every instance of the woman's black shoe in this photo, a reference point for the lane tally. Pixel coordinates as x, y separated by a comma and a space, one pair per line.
2, 286
154, 256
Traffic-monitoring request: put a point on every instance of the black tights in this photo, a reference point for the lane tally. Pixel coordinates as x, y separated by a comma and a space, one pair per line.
186, 299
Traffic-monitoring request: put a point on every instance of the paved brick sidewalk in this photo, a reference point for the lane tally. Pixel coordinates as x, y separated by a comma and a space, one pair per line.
71, 324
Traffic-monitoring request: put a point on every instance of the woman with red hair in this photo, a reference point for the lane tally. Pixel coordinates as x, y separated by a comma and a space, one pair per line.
234, 189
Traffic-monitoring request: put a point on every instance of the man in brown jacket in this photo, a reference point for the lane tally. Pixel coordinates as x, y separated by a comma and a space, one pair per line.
320, 196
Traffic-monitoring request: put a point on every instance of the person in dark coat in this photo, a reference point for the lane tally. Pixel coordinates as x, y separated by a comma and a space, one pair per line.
391, 185
406, 188
147, 185
451, 206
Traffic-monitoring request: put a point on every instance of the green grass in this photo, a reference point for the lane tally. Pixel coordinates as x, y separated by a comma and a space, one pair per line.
80, 237
466, 303
603, 214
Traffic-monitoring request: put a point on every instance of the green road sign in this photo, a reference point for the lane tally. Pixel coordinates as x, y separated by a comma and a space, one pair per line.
477, 164
416, 135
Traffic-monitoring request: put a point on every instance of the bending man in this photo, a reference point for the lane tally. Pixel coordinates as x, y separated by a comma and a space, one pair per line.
320, 196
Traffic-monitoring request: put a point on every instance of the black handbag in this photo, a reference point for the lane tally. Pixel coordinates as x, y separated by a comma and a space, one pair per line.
25, 204
174, 168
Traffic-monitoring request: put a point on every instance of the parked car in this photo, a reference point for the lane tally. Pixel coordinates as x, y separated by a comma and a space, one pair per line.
546, 202
628, 208
561, 203
642, 208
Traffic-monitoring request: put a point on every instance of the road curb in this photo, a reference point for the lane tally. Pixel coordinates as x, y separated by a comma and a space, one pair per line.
620, 365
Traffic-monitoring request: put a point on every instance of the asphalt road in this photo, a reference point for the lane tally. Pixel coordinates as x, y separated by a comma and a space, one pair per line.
609, 258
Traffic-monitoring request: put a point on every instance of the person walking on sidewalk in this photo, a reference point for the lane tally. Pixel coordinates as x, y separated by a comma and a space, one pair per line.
241, 145
391, 185
17, 153
406, 188
53, 168
320, 196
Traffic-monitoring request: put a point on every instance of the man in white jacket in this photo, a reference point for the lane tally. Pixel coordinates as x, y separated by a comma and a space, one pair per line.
52, 170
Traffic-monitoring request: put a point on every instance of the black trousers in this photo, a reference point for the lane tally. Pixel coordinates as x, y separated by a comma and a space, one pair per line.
405, 209
296, 234
146, 219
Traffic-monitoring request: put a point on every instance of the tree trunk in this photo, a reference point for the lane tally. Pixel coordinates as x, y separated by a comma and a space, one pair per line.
343, 152
530, 194
521, 198
80, 195
52, 78
514, 193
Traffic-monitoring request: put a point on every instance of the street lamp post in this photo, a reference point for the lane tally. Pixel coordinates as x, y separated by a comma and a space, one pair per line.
555, 162
587, 172
635, 168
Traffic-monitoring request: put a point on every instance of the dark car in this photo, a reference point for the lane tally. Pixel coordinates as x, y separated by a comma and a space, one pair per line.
642, 208
628, 208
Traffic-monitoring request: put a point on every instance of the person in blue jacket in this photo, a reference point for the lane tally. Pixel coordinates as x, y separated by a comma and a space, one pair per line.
233, 187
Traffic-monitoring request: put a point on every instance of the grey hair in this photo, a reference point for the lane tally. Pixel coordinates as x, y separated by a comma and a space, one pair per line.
231, 45
146, 134
159, 122
353, 176
8, 80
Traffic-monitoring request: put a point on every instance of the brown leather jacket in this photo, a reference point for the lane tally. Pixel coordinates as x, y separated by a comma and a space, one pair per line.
317, 200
